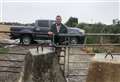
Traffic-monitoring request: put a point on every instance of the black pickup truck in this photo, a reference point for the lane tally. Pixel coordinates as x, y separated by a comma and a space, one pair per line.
28, 34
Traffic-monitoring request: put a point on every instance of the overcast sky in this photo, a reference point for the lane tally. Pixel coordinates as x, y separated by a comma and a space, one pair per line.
91, 11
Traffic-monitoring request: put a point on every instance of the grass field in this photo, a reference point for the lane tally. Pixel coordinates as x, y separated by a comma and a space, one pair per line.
4, 28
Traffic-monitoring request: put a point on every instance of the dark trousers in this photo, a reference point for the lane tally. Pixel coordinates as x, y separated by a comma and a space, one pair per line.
59, 40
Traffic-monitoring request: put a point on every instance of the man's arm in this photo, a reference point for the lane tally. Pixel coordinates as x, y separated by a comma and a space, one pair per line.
51, 31
51, 28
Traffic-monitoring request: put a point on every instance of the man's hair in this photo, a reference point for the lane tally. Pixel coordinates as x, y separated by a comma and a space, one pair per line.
58, 16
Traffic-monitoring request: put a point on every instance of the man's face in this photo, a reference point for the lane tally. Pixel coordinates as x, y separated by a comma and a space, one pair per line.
58, 20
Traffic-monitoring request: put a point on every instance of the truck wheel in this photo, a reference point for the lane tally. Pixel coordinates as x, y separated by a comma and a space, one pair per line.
74, 41
26, 40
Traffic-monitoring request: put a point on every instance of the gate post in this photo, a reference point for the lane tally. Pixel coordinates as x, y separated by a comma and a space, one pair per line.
42, 67
66, 70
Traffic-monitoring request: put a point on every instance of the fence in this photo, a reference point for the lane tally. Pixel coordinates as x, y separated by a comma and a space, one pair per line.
66, 56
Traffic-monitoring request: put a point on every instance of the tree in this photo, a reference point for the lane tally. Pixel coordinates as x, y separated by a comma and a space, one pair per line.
116, 21
72, 22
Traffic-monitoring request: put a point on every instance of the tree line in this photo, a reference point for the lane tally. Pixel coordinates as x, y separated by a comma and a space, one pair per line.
97, 28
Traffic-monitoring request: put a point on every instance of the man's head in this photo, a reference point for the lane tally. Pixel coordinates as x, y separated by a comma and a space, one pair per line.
58, 19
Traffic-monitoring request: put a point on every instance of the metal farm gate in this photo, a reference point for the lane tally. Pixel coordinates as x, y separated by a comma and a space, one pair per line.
75, 63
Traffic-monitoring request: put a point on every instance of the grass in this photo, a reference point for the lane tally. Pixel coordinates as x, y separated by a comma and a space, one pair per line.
98, 49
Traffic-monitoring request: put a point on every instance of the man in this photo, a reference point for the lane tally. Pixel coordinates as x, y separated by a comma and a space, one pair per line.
57, 28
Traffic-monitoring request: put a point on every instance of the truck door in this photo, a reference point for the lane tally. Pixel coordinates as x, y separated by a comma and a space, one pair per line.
42, 27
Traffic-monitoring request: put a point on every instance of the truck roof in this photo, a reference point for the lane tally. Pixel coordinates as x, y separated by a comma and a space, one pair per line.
21, 26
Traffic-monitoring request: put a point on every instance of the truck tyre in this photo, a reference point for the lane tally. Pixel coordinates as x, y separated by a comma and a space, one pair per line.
74, 41
26, 39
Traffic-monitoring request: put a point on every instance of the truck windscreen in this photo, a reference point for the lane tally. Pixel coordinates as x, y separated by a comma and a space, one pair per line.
43, 23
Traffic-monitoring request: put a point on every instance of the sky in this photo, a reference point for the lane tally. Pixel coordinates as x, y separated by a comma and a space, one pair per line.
89, 11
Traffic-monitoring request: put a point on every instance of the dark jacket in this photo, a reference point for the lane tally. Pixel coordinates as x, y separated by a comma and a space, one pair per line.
58, 39
63, 29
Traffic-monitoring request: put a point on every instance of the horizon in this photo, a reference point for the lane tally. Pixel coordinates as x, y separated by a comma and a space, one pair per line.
50, 19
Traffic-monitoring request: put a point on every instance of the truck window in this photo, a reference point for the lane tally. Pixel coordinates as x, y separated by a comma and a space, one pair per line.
44, 23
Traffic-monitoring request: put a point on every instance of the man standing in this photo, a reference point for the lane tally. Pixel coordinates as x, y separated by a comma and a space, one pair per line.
57, 28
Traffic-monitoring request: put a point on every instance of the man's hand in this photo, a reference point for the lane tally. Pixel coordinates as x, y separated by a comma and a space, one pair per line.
50, 33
